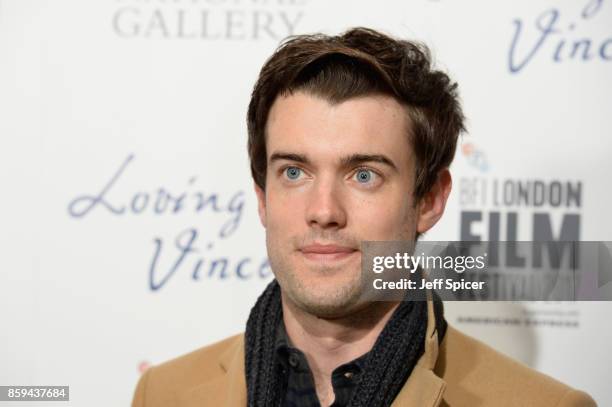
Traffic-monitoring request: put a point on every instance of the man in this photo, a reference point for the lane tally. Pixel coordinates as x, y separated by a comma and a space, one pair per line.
350, 140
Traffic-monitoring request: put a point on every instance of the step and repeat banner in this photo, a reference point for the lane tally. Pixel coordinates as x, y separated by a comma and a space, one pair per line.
129, 228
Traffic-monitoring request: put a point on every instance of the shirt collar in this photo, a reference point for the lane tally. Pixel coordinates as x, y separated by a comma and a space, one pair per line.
288, 354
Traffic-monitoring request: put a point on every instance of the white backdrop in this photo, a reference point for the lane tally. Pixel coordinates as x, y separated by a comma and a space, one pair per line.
129, 232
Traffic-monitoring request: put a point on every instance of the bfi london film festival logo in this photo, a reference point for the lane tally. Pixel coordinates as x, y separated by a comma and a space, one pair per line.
513, 209
230, 20
500, 209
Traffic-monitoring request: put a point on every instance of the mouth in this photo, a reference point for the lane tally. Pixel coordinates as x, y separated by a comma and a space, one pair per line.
327, 252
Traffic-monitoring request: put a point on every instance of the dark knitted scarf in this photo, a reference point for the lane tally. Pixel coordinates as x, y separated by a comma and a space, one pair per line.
389, 363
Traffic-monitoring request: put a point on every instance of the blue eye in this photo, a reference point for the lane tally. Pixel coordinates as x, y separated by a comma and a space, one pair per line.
293, 173
364, 176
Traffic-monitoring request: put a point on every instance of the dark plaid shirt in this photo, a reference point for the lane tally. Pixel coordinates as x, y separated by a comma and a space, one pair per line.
300, 389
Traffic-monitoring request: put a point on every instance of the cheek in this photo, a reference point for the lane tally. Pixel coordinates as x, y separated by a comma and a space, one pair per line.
391, 218
282, 210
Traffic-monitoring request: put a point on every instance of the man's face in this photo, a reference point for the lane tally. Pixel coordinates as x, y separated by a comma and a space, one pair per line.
336, 175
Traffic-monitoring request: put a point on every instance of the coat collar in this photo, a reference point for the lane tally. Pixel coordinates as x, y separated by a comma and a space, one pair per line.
422, 389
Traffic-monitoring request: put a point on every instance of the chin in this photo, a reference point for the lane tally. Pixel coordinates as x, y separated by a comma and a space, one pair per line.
332, 302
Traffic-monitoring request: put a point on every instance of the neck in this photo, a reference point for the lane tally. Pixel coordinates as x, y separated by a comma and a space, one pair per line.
329, 343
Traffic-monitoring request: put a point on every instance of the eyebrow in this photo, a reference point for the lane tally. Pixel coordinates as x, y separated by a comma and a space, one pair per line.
300, 158
357, 159
348, 161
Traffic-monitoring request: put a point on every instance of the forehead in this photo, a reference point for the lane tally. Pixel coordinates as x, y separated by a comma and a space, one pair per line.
309, 124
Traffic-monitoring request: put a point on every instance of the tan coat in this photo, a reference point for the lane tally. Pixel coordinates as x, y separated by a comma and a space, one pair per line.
461, 372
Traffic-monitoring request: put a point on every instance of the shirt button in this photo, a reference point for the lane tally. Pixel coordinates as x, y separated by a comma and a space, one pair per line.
293, 360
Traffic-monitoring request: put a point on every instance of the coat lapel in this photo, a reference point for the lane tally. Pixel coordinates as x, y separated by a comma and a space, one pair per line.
423, 388
233, 363
226, 390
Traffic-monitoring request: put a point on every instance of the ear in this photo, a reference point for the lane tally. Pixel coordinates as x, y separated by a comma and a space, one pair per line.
261, 203
431, 207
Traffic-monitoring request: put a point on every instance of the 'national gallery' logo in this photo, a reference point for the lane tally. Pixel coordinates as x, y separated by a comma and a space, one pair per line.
230, 20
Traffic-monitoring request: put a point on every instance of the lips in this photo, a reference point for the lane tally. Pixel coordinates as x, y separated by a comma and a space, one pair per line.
327, 252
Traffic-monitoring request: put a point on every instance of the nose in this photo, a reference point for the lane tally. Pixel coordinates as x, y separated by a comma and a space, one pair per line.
326, 206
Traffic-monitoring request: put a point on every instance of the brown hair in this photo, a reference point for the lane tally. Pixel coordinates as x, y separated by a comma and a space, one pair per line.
356, 63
